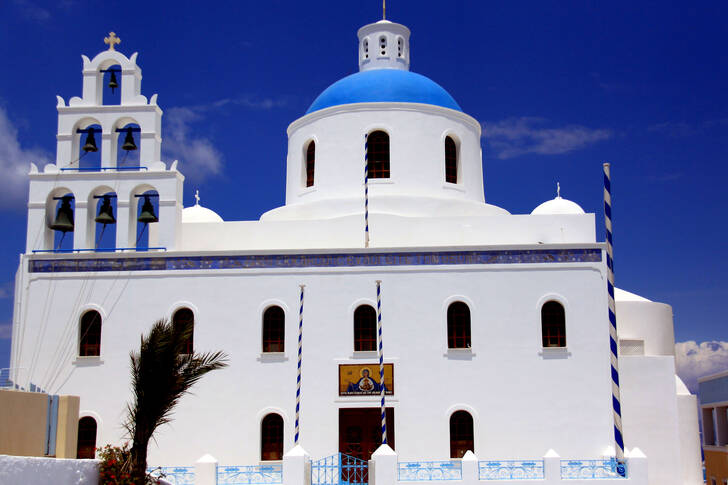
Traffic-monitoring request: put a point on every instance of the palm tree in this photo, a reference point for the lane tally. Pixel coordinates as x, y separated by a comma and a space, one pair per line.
161, 374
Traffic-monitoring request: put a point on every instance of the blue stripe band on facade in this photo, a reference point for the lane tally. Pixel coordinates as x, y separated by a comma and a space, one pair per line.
274, 261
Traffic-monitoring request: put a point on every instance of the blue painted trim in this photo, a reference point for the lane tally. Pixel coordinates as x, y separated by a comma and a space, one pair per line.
51, 425
273, 261
101, 169
97, 250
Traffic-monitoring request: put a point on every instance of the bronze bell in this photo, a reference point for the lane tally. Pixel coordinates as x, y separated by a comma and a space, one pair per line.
129, 144
147, 215
64, 217
106, 212
113, 83
90, 145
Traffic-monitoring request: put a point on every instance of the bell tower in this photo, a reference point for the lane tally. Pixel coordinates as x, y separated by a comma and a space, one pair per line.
136, 196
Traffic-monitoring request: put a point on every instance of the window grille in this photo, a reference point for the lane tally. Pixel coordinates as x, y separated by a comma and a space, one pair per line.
553, 324
274, 321
365, 328
451, 161
310, 163
86, 445
271, 437
458, 326
461, 434
90, 333
378, 155
184, 319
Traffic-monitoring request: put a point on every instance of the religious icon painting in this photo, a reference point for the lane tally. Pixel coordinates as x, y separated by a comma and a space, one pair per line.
363, 379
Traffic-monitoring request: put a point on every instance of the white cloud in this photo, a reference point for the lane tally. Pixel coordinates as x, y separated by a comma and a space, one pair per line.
513, 137
6, 331
250, 102
197, 156
15, 164
695, 360
31, 11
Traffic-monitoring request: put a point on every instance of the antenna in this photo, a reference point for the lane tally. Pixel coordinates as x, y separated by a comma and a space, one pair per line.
384, 9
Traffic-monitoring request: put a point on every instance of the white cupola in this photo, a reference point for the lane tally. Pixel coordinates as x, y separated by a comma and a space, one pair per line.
558, 206
384, 45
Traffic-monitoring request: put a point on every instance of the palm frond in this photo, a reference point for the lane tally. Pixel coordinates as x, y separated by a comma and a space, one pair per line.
161, 373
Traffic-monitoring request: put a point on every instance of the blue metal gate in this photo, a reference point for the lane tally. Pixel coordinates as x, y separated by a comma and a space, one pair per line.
339, 469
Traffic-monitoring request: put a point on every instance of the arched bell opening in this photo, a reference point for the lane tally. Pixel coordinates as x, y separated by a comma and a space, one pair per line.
102, 213
110, 89
146, 216
60, 220
86, 151
126, 144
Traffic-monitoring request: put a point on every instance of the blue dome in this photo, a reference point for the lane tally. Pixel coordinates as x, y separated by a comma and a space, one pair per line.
384, 85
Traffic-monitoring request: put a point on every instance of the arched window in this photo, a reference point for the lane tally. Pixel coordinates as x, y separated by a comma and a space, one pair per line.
310, 163
458, 326
451, 161
461, 434
365, 328
378, 155
90, 334
271, 437
86, 447
553, 324
184, 320
274, 329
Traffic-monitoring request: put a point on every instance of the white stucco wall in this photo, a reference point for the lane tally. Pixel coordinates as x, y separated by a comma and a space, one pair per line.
28, 470
512, 387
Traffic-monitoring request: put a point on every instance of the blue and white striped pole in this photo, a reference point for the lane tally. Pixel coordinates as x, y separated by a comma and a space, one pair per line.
618, 437
381, 361
298, 378
366, 191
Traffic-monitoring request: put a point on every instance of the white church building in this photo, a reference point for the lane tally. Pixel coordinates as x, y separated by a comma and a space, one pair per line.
495, 329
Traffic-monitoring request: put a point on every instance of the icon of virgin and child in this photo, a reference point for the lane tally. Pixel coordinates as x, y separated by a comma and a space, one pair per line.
366, 384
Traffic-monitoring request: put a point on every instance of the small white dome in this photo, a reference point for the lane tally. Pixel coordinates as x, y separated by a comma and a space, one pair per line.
558, 206
624, 295
197, 213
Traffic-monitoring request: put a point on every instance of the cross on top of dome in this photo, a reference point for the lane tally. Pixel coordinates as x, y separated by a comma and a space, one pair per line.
111, 40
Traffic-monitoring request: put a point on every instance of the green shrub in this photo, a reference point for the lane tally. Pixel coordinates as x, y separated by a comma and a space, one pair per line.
115, 467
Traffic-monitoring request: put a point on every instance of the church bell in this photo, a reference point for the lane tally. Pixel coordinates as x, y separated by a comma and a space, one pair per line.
147, 215
90, 145
129, 144
106, 212
64, 217
113, 83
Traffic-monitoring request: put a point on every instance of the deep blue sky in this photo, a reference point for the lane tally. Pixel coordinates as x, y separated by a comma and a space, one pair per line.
559, 86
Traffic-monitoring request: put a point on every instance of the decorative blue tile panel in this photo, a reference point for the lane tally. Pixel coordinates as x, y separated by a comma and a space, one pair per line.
333, 260
176, 475
592, 469
511, 470
250, 475
429, 471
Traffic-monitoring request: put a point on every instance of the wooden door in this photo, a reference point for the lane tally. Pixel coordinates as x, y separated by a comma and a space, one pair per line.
360, 432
